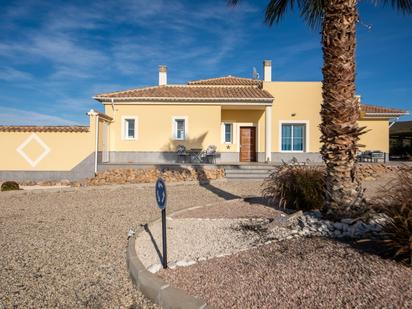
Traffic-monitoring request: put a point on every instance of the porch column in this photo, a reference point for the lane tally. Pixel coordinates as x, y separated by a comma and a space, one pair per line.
268, 133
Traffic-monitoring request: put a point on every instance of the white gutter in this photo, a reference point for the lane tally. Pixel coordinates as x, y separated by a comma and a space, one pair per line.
97, 144
92, 112
393, 122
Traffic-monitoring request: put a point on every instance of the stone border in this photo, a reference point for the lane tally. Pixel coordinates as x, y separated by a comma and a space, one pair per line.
140, 185
156, 289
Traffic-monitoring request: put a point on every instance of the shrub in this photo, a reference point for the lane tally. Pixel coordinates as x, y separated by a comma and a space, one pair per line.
9, 186
395, 202
296, 186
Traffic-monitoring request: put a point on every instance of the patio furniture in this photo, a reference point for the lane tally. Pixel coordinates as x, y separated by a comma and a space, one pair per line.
371, 156
182, 155
195, 155
210, 154
378, 156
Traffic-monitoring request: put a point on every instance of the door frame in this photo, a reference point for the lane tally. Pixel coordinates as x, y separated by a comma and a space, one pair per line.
256, 139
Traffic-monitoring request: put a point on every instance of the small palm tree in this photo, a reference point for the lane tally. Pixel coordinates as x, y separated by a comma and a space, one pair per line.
340, 108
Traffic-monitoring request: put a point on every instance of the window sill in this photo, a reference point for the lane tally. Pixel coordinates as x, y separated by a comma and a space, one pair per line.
129, 139
292, 151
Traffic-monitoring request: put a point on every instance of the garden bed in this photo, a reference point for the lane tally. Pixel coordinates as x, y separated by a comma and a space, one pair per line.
304, 273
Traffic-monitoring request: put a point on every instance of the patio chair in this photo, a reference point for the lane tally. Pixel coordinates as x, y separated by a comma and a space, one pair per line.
211, 154
365, 156
181, 153
377, 156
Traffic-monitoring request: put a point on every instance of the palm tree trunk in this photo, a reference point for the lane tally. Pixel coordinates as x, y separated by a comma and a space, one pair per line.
340, 109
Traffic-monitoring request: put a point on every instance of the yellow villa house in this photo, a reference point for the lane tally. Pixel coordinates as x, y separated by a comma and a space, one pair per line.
245, 120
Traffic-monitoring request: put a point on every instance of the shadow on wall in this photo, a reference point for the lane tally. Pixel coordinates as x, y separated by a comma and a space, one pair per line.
195, 142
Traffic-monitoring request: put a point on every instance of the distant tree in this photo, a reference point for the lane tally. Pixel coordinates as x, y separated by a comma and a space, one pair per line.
340, 108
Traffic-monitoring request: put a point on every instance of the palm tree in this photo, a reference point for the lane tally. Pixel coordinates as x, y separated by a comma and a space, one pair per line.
340, 108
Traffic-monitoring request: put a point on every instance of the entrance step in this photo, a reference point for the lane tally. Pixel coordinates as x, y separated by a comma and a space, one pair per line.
248, 172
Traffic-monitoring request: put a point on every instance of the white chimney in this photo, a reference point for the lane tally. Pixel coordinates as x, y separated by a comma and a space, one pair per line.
267, 70
162, 75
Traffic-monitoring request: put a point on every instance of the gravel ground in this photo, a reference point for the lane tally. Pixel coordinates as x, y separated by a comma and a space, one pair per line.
67, 249
189, 240
302, 273
231, 210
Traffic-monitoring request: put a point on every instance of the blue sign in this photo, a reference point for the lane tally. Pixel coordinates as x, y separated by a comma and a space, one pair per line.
161, 193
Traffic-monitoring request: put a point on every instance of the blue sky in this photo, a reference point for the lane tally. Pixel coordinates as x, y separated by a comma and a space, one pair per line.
55, 55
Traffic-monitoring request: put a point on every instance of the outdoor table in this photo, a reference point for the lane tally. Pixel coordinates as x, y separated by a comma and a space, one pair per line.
195, 155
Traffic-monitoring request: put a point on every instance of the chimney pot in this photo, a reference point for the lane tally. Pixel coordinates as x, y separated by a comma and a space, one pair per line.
267, 70
162, 75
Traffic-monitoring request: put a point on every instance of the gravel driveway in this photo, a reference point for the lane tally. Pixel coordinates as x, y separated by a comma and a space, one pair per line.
67, 249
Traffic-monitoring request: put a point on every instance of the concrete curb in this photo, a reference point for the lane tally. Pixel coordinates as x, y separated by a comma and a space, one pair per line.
156, 289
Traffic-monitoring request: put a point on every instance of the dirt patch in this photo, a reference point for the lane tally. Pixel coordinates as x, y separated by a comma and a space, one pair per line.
302, 273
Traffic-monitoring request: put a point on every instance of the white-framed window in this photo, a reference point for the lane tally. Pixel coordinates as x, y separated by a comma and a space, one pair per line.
179, 125
293, 137
129, 127
227, 133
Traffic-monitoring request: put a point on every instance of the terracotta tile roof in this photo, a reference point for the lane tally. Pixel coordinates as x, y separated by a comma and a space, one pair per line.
227, 81
373, 109
191, 92
44, 129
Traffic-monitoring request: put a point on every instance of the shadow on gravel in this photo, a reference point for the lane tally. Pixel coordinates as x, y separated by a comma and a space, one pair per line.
159, 254
201, 176
219, 192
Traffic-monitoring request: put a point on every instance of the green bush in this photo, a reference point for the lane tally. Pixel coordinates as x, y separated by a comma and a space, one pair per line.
395, 202
9, 186
296, 186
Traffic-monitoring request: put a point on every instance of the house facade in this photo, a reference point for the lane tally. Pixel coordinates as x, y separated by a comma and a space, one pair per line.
247, 120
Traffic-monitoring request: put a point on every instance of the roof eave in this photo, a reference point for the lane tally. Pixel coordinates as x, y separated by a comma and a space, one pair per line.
264, 101
384, 115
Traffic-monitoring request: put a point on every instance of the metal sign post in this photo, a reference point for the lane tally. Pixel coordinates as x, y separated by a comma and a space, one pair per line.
161, 198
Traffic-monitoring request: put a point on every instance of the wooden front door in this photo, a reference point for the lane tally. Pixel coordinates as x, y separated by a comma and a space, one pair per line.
247, 144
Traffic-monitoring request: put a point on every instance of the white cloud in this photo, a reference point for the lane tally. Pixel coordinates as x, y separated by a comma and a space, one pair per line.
12, 116
12, 75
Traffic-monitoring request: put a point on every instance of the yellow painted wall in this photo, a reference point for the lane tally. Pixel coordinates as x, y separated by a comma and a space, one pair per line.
66, 150
300, 98
378, 136
243, 118
155, 123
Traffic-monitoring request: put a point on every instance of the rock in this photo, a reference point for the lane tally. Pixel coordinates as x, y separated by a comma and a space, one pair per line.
338, 225
295, 216
347, 221
185, 263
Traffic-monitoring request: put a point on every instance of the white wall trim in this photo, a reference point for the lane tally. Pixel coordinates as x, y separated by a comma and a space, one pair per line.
222, 132
136, 128
307, 135
186, 119
45, 152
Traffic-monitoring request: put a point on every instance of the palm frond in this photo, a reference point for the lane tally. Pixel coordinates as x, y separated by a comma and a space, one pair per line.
312, 12
233, 2
404, 6
276, 9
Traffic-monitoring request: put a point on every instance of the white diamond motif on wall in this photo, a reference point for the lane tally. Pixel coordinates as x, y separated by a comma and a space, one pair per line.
35, 139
